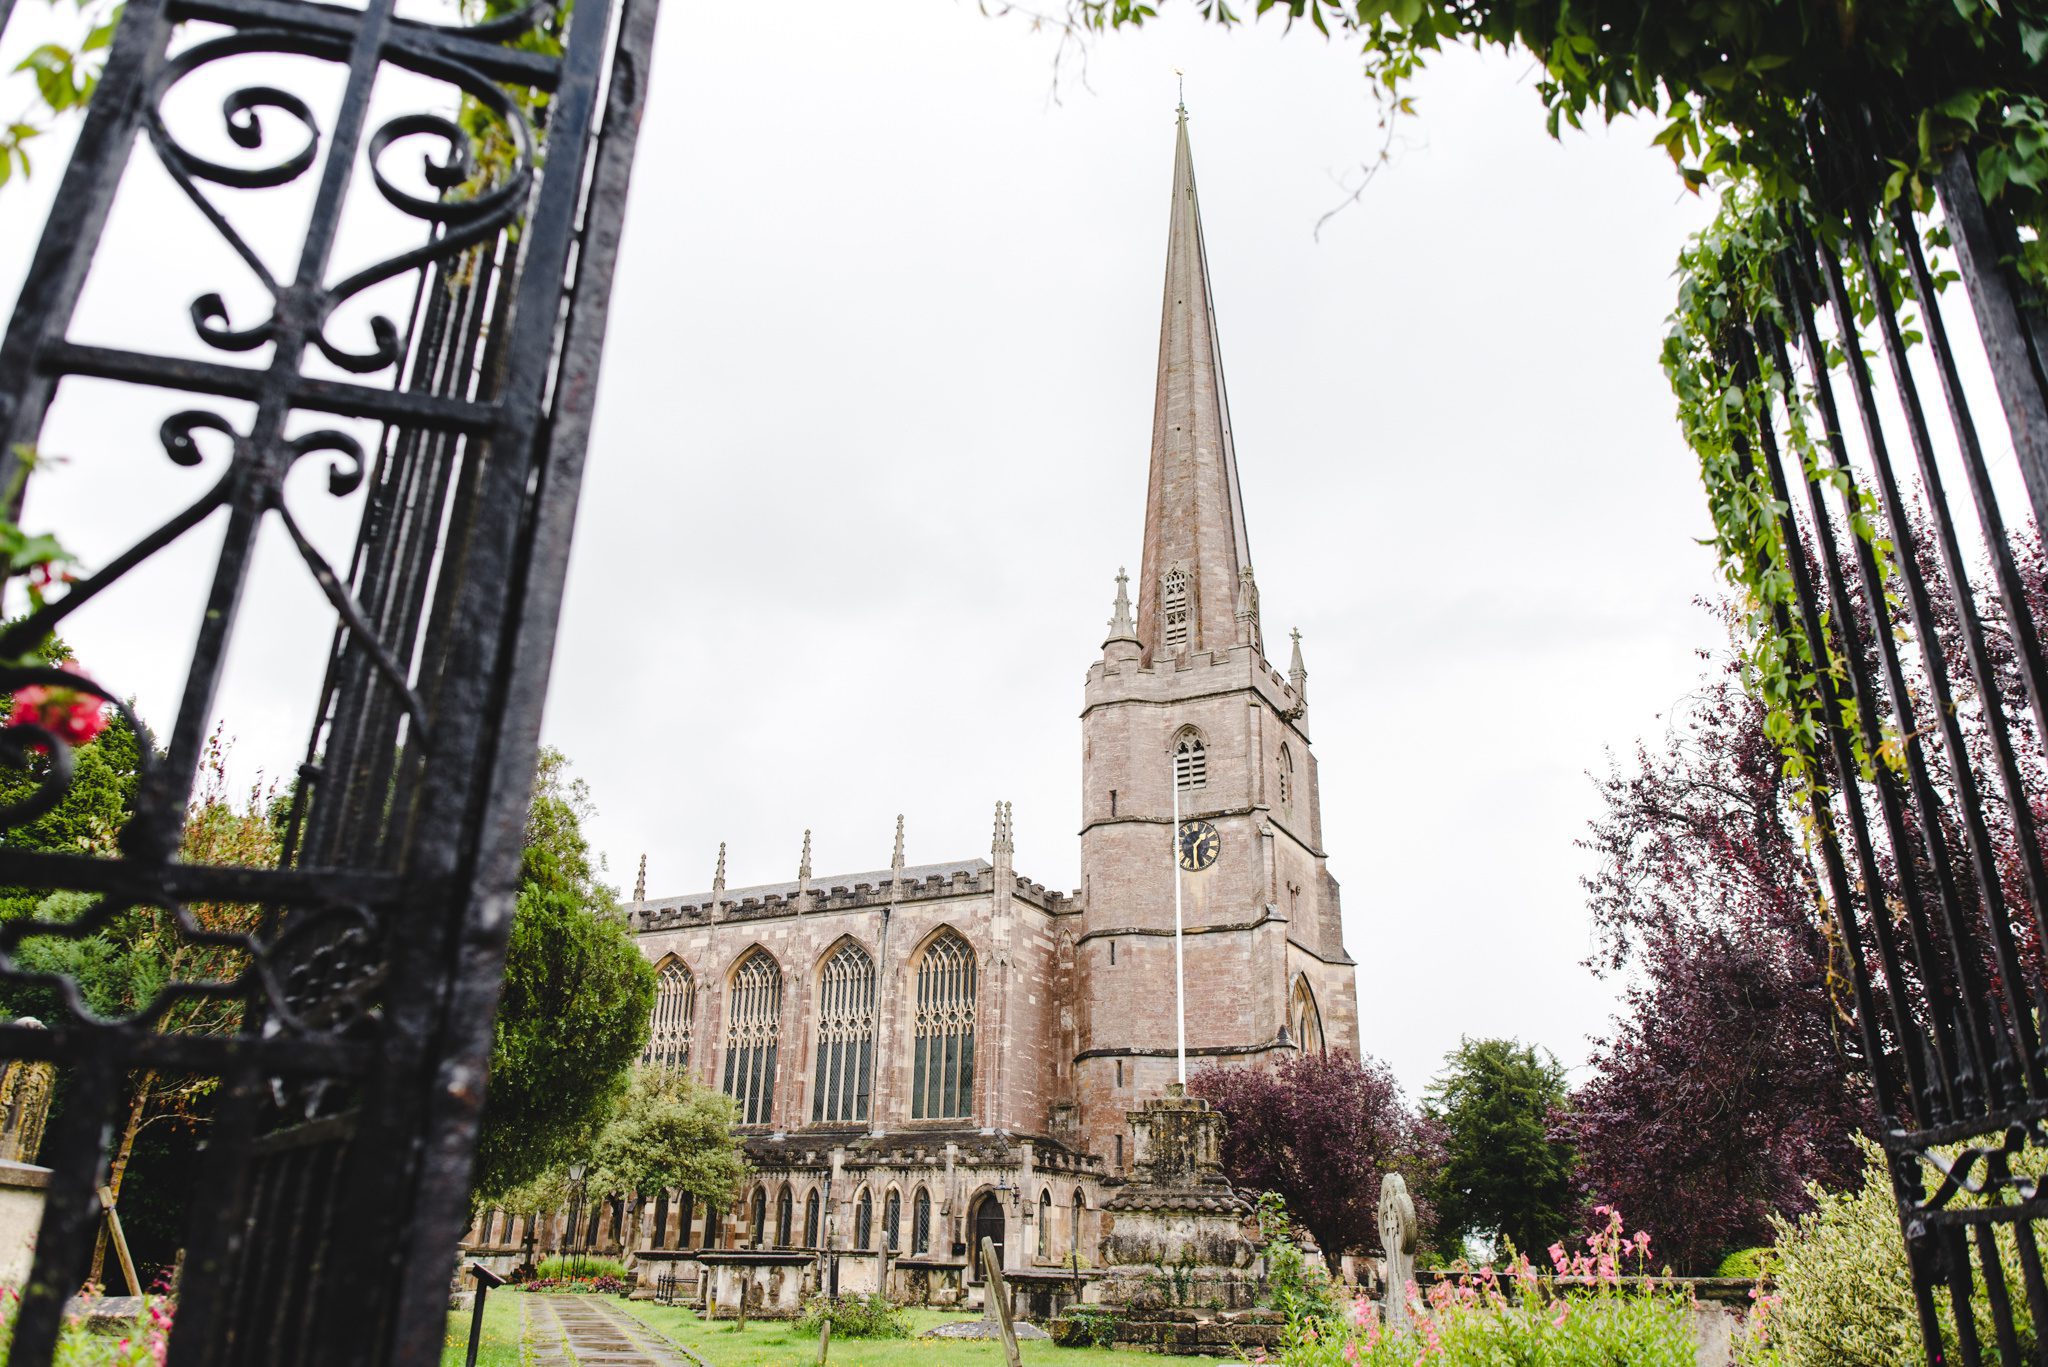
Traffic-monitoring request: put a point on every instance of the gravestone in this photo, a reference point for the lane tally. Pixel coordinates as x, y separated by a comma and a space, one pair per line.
1397, 1239
25, 1087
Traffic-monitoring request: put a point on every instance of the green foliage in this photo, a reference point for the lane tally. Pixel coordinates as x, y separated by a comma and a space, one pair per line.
1086, 1326
577, 995
1728, 79
854, 1317
1751, 1263
65, 76
1842, 1294
141, 1343
670, 1133
579, 1267
1488, 1323
1502, 1175
1297, 1285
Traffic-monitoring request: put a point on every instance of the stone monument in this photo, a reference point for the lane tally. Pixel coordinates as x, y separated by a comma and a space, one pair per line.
25, 1086
1397, 1238
1175, 1232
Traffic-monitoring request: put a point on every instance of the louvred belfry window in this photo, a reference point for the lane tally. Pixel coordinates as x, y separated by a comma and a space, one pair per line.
753, 1031
846, 1037
942, 1066
675, 1001
1190, 761
1173, 608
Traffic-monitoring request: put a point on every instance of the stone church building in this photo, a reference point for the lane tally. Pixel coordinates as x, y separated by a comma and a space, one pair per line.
928, 1053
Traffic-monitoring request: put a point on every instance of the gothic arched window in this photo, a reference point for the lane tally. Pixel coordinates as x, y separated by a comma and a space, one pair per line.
892, 1220
685, 1210
1286, 777
863, 1219
753, 1029
921, 1223
1074, 1230
1306, 1021
1045, 1223
675, 1001
1190, 761
710, 1225
942, 1064
757, 1230
811, 1220
660, 1220
846, 1036
1173, 607
785, 1213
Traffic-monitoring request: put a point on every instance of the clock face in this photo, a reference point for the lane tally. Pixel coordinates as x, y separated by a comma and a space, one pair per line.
1199, 845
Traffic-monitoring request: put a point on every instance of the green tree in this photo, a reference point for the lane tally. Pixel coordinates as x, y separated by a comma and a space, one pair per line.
1503, 1177
669, 1133
577, 996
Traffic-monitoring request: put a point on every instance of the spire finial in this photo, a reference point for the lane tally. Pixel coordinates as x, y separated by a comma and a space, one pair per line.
640, 883
1121, 625
1005, 842
718, 878
1181, 80
803, 868
896, 860
1297, 672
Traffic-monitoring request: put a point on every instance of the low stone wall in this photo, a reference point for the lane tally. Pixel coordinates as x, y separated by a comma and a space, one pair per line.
1188, 1333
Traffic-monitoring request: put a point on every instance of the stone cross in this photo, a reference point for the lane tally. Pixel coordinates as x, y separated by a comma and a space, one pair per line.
1397, 1239
25, 1088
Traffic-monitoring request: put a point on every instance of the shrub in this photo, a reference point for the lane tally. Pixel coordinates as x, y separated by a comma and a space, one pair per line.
578, 1267
1842, 1293
144, 1344
854, 1317
1086, 1326
1490, 1318
1753, 1263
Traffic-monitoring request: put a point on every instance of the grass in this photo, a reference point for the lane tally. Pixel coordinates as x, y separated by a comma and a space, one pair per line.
500, 1344
772, 1343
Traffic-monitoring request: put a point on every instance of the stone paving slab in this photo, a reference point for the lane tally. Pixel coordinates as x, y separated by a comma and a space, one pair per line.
595, 1331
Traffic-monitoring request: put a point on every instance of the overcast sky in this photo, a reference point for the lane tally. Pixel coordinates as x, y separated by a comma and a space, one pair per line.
872, 440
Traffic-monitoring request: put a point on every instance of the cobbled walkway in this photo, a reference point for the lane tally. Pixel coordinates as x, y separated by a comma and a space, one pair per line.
593, 1331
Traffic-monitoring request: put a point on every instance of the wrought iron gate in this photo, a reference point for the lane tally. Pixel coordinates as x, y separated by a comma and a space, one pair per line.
361, 977
1925, 673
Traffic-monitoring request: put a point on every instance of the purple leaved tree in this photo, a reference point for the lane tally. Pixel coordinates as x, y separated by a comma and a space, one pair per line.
1320, 1130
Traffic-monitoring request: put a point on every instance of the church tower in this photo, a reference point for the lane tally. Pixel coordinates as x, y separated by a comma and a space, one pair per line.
1184, 703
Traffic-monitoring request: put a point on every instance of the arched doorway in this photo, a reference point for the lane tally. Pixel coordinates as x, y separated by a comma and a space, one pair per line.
986, 1224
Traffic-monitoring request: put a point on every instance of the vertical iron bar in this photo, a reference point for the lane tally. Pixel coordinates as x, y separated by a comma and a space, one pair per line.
1850, 660
2019, 1002
1920, 612
1745, 369
1796, 283
2016, 365
1996, 1296
1997, 540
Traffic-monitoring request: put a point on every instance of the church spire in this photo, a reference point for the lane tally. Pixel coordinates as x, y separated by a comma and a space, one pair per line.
1192, 585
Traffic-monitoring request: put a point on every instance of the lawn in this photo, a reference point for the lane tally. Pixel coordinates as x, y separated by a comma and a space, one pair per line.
500, 1344
770, 1343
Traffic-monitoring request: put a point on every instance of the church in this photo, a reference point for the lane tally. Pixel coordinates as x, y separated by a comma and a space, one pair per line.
927, 1054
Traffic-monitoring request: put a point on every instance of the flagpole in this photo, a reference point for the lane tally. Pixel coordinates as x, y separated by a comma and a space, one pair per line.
1180, 982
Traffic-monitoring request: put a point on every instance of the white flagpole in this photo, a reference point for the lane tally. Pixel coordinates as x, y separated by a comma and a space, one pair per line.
1180, 982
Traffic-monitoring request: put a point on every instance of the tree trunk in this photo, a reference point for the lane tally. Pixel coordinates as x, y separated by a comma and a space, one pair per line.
138, 1107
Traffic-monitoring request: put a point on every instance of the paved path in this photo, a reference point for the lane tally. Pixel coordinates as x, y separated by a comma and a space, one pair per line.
594, 1331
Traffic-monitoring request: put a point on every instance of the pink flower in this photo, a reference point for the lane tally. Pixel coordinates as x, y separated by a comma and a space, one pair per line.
69, 714
1350, 1352
1563, 1313
1363, 1313
1557, 1257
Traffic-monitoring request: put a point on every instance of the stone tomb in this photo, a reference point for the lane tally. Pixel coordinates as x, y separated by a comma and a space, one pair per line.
1175, 1234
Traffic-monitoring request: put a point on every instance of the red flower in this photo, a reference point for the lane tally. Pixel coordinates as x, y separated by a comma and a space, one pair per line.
68, 713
